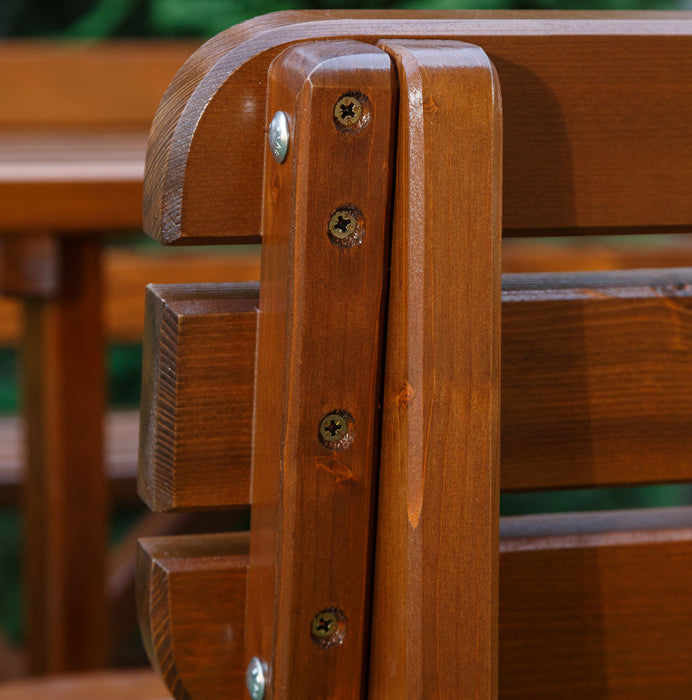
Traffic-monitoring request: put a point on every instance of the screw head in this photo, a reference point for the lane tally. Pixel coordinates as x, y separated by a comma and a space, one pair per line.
352, 112
346, 227
256, 678
336, 430
278, 136
328, 628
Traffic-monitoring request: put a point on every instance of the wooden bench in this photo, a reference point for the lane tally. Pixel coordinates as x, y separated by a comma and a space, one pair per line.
591, 114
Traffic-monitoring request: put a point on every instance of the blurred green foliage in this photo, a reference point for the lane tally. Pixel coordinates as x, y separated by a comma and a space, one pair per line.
109, 18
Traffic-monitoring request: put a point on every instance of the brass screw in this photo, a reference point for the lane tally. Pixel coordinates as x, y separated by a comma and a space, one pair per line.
347, 110
342, 224
328, 628
346, 227
324, 624
333, 427
352, 112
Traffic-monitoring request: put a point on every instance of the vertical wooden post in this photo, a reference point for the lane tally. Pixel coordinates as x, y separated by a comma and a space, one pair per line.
434, 614
65, 525
322, 301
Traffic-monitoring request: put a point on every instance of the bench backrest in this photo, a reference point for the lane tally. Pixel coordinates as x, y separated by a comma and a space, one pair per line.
594, 373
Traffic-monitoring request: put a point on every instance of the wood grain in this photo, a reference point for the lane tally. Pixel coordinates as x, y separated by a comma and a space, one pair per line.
80, 86
438, 505
192, 396
618, 342
581, 612
596, 378
582, 152
65, 526
190, 601
596, 609
320, 343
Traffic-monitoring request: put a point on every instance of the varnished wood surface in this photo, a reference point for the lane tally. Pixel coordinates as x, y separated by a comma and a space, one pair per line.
597, 611
71, 182
85, 86
101, 685
597, 362
193, 406
320, 343
65, 496
190, 601
438, 506
596, 376
592, 605
595, 119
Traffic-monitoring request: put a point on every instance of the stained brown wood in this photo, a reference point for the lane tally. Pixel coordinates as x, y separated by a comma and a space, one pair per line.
590, 608
312, 500
190, 601
29, 266
105, 685
65, 526
618, 340
580, 603
193, 402
121, 437
71, 183
581, 153
126, 274
596, 376
438, 504
78, 86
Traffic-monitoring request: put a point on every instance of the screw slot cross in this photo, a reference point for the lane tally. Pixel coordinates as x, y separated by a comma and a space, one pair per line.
347, 110
334, 427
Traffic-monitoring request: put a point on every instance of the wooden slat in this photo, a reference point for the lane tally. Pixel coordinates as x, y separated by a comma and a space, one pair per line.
596, 115
197, 402
596, 379
85, 85
72, 183
595, 385
138, 684
596, 609
591, 605
438, 503
320, 342
190, 602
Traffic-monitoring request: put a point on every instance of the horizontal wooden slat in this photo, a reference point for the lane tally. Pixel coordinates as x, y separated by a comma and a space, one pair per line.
85, 85
191, 603
591, 605
597, 611
198, 369
596, 378
596, 120
596, 381
138, 684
